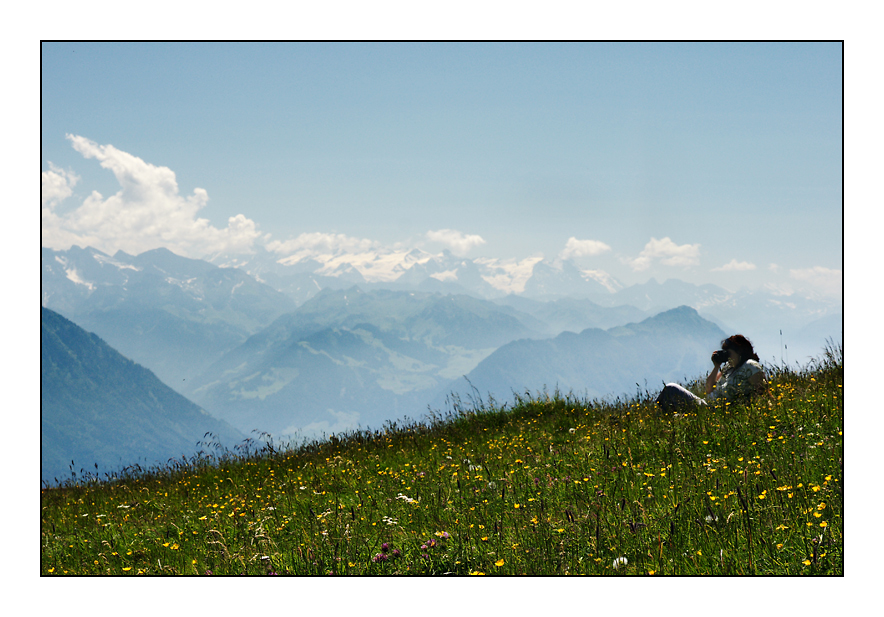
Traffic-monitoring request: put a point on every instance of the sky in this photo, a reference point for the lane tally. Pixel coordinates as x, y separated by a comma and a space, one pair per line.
709, 162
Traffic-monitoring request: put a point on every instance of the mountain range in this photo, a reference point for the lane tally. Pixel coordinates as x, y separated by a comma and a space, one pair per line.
674, 345
314, 343
103, 411
348, 357
172, 314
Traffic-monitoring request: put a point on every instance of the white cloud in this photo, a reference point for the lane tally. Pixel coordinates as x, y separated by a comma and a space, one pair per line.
824, 280
56, 185
583, 248
666, 252
735, 266
320, 243
459, 243
146, 213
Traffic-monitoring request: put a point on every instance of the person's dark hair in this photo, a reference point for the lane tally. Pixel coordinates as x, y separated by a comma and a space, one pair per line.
742, 346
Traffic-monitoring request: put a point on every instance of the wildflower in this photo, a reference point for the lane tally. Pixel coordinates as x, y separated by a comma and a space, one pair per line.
620, 562
385, 547
499, 562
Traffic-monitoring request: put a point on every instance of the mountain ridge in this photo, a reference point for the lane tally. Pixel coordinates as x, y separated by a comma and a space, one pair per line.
100, 408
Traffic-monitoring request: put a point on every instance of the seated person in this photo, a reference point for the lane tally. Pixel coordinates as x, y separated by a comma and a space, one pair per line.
742, 377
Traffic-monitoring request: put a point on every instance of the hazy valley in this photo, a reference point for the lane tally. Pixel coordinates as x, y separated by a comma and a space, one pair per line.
323, 344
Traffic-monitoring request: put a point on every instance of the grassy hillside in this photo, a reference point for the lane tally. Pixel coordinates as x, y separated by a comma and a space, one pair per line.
550, 485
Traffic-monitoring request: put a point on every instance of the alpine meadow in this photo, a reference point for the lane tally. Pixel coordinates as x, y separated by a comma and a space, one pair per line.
552, 485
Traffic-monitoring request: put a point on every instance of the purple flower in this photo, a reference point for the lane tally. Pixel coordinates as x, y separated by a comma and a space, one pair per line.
385, 547
396, 552
380, 557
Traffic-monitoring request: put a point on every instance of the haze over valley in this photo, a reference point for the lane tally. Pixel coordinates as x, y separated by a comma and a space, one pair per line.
317, 353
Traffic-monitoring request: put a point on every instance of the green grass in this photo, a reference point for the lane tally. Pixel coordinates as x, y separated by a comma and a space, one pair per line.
549, 485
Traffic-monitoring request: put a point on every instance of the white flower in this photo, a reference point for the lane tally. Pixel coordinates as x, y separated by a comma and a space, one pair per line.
572, 430
620, 562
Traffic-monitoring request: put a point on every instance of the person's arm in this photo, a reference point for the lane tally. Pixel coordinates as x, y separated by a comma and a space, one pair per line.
713, 377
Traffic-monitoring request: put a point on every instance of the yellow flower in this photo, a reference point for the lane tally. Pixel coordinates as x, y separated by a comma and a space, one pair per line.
824, 524
499, 562
127, 569
806, 562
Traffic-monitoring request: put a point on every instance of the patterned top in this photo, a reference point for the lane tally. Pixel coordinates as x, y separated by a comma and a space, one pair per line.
735, 383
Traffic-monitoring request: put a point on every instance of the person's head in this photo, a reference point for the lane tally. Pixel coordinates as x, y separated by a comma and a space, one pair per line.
739, 349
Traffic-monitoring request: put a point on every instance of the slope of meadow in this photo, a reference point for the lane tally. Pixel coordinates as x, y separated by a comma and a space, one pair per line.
549, 485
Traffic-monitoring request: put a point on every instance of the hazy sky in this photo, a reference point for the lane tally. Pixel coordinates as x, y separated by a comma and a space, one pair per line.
710, 162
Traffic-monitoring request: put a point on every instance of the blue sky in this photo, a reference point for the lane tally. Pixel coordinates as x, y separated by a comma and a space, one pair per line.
713, 162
